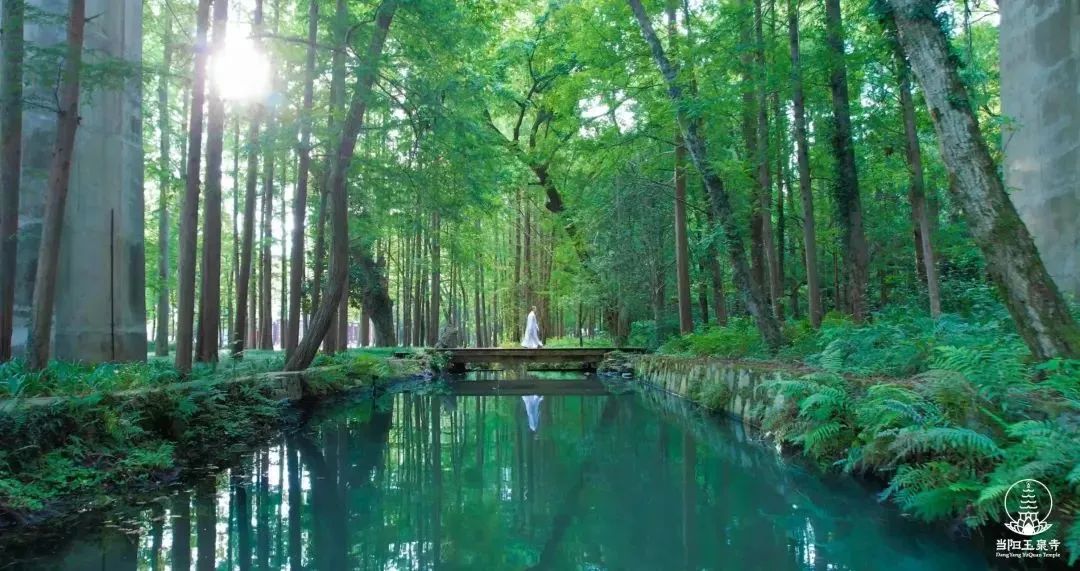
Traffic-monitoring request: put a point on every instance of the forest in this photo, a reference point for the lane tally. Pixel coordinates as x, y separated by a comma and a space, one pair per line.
819, 183
423, 173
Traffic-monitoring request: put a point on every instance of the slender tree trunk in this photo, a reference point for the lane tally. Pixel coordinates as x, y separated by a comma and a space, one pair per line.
320, 322
919, 211
164, 187
751, 291
210, 303
234, 271
436, 282
59, 175
244, 307
300, 200
802, 153
11, 111
846, 187
748, 123
476, 308
764, 177
266, 269
682, 245
703, 295
1014, 265
319, 260
244, 330
283, 311
189, 212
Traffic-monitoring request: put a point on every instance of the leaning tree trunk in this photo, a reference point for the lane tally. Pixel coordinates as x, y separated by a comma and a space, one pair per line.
750, 290
161, 334
846, 187
296, 272
919, 211
339, 263
11, 110
1014, 265
59, 174
189, 212
798, 103
206, 345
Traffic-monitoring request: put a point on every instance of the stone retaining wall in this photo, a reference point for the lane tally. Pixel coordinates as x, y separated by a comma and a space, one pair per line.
717, 384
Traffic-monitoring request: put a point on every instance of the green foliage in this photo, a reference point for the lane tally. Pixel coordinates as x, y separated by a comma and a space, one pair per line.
951, 440
100, 439
738, 339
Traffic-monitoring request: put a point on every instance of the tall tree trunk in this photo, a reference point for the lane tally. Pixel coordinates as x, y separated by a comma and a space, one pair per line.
59, 175
319, 259
846, 187
161, 335
436, 281
266, 268
703, 295
682, 245
761, 159
244, 311
748, 123
189, 212
210, 303
296, 274
919, 211
751, 291
234, 271
283, 311
802, 153
1014, 265
320, 322
11, 111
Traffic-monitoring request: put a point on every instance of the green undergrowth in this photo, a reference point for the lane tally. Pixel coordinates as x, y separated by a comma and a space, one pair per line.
899, 341
84, 452
949, 412
949, 441
63, 378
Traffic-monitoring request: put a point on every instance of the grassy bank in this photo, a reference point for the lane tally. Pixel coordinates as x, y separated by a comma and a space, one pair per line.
127, 427
948, 412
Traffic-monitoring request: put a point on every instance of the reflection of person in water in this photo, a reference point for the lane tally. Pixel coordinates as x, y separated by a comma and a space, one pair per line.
532, 409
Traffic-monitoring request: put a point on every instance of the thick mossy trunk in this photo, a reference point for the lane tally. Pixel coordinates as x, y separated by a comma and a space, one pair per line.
1012, 261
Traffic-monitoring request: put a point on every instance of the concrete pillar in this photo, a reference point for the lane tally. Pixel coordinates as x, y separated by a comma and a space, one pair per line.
1040, 95
100, 312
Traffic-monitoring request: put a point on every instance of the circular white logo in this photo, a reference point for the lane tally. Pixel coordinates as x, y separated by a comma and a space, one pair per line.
1028, 503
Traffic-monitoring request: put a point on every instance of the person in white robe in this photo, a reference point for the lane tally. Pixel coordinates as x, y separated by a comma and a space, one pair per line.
532, 332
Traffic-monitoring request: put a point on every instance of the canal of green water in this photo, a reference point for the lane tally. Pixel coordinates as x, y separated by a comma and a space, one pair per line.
571, 479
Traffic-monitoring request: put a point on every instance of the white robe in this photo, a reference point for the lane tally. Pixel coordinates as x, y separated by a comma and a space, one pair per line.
532, 333
532, 410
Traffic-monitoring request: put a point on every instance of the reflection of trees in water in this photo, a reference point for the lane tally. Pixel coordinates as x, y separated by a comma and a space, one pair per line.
462, 482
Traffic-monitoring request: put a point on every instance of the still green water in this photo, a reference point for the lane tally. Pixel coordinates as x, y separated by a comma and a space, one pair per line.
411, 481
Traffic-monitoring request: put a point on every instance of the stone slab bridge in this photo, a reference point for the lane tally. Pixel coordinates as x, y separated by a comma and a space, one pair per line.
566, 358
